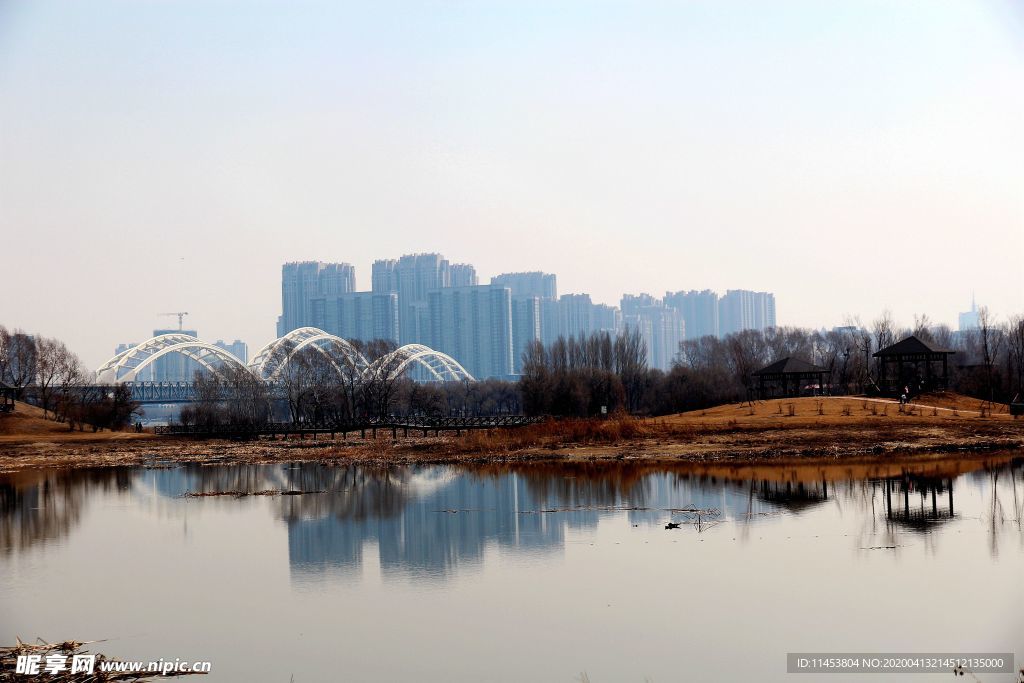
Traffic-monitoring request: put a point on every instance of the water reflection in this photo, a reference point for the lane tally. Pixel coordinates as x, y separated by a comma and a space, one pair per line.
926, 511
41, 506
432, 520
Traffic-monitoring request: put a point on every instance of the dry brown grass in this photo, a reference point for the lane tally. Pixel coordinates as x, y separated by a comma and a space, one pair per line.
552, 433
27, 425
942, 407
806, 429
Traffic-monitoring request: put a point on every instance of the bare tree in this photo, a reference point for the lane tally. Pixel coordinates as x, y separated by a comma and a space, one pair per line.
20, 360
884, 330
57, 369
631, 365
350, 378
71, 375
381, 380
48, 360
922, 327
1015, 344
5, 354
294, 375
990, 339
229, 395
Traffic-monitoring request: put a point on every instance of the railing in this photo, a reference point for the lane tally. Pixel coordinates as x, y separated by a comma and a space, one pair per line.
395, 423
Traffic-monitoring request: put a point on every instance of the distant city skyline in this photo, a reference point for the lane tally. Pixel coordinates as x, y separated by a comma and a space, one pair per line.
850, 157
364, 310
342, 278
424, 298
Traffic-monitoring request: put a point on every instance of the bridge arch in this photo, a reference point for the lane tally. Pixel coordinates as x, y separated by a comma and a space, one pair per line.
126, 366
270, 361
273, 359
440, 366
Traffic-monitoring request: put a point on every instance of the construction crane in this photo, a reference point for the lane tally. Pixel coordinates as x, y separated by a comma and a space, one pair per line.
181, 315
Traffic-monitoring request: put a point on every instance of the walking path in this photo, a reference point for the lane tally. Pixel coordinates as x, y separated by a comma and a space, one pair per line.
1001, 410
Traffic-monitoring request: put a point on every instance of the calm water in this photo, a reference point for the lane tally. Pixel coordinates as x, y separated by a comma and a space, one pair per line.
517, 573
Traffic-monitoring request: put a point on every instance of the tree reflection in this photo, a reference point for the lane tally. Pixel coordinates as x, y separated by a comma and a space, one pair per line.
46, 505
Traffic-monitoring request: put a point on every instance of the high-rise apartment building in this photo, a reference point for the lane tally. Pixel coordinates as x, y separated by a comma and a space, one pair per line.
238, 348
661, 327
304, 281
174, 367
474, 326
383, 277
526, 327
576, 315
534, 309
412, 277
632, 304
533, 283
605, 318
968, 320
358, 315
741, 309
463, 275
699, 311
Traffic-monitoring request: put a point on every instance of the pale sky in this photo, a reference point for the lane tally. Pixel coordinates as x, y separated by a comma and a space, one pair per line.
164, 155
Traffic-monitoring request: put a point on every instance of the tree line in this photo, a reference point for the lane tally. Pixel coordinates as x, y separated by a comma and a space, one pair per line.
46, 371
578, 376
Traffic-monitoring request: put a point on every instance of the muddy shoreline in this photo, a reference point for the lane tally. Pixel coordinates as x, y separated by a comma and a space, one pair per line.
830, 430
707, 444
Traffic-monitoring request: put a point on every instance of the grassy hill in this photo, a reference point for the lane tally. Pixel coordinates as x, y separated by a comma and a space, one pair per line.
27, 425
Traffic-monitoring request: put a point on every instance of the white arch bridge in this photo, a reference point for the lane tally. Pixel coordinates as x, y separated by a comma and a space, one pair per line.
276, 361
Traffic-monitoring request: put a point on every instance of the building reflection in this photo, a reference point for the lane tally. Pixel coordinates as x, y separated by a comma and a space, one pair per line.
431, 520
442, 518
438, 526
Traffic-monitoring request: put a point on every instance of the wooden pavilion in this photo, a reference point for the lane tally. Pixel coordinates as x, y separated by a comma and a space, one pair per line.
6, 398
787, 376
913, 360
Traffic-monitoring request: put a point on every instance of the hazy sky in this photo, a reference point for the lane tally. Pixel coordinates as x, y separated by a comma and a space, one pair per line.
168, 155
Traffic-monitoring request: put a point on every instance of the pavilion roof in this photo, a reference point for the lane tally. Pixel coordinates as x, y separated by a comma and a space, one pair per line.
911, 345
788, 366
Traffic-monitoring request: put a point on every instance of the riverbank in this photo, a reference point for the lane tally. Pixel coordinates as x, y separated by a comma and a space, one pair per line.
783, 431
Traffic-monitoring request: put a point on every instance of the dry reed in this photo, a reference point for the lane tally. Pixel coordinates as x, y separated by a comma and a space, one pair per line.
69, 648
